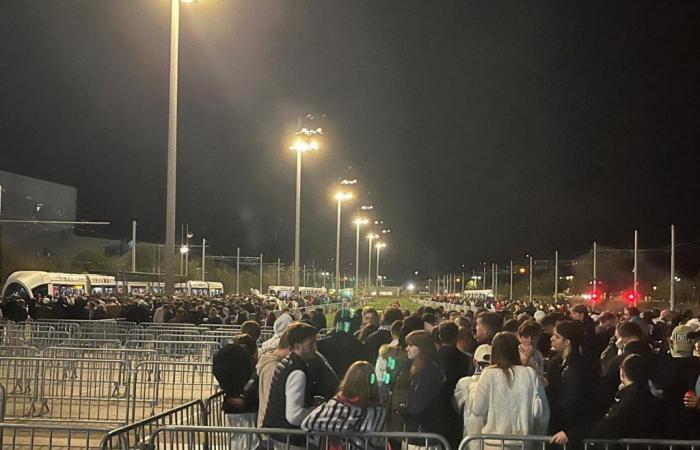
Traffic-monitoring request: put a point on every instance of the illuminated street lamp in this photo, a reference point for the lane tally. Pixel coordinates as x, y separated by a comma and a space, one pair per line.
370, 238
340, 197
530, 258
358, 222
306, 140
379, 246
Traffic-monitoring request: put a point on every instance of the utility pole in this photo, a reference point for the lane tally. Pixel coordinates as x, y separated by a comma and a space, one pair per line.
511, 280
204, 255
261, 273
556, 274
238, 270
278, 271
133, 241
636, 267
672, 298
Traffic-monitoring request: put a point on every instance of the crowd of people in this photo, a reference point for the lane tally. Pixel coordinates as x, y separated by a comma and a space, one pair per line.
230, 309
528, 369
513, 368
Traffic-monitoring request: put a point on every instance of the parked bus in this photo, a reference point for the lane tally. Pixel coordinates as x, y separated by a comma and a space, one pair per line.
286, 291
32, 284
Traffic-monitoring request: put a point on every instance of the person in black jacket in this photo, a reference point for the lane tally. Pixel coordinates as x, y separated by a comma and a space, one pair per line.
629, 336
456, 365
637, 413
569, 388
234, 369
340, 347
383, 334
291, 398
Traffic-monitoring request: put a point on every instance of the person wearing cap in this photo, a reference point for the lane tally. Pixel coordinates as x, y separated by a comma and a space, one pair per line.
465, 386
676, 378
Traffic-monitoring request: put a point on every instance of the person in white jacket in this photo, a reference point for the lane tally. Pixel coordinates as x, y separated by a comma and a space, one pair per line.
509, 395
465, 388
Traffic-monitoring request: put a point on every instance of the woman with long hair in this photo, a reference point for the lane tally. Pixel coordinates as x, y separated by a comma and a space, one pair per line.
420, 407
569, 389
354, 409
509, 395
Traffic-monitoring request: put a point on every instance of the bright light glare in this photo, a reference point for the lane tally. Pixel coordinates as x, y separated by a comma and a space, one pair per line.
184, 249
360, 221
380, 245
411, 286
300, 145
340, 196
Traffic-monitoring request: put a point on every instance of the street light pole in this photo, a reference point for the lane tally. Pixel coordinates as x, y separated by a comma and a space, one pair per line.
358, 222
340, 196
636, 267
531, 264
380, 246
510, 297
672, 298
204, 255
370, 238
133, 249
172, 151
300, 146
556, 274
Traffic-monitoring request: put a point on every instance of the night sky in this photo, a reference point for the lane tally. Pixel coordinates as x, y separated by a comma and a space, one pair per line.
479, 130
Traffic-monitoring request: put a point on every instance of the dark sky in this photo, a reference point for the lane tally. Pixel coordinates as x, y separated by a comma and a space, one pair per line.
479, 130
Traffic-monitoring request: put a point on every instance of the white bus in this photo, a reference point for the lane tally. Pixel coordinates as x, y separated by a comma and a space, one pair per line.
286, 291
31, 284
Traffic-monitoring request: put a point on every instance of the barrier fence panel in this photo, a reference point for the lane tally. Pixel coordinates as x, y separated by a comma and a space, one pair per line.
3, 402
84, 390
20, 376
159, 386
19, 351
640, 444
130, 356
507, 442
45, 437
186, 351
136, 435
227, 438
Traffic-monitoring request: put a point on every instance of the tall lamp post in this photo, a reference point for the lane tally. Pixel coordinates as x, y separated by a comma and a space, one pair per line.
358, 222
370, 238
306, 140
531, 264
379, 246
171, 182
340, 197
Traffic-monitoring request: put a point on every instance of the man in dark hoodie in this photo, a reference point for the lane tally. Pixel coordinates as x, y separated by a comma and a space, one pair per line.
456, 365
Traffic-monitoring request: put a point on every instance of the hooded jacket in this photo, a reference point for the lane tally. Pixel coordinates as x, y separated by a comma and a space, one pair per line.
265, 370
636, 414
280, 326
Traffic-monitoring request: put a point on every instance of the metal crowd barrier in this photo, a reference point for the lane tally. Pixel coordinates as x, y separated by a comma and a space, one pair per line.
19, 351
134, 435
162, 385
3, 402
46, 437
507, 442
213, 407
81, 390
228, 438
192, 351
647, 444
